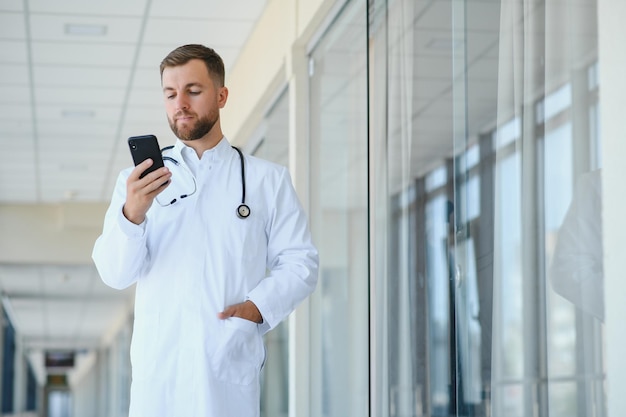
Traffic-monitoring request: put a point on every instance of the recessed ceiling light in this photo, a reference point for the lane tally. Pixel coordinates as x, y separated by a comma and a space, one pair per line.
85, 30
74, 168
78, 114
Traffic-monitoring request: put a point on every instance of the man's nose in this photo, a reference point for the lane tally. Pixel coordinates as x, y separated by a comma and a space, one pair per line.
181, 102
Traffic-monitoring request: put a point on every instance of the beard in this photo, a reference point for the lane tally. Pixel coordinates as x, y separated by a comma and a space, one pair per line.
198, 130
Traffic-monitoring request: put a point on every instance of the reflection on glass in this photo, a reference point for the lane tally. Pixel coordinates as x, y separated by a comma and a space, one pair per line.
439, 303
508, 332
338, 128
577, 265
468, 327
483, 159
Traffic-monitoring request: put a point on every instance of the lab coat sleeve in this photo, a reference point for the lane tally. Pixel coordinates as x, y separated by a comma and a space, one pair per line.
120, 252
292, 259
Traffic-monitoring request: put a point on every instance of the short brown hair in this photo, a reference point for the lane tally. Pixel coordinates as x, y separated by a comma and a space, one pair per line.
185, 53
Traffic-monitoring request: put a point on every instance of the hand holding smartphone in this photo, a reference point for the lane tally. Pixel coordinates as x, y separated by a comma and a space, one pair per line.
144, 147
139, 200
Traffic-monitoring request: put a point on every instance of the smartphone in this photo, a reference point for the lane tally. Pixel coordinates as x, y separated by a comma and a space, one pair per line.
144, 147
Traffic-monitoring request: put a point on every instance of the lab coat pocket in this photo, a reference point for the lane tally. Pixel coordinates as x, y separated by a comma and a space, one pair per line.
239, 353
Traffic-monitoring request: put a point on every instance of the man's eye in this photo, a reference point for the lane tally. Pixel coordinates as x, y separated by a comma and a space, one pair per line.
169, 97
194, 93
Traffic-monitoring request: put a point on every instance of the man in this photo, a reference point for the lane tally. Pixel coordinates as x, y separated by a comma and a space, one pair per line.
209, 282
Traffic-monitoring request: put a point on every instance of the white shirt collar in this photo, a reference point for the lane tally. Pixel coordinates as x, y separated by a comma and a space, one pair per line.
218, 152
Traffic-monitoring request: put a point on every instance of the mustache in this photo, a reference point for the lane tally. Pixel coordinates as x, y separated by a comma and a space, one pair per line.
182, 113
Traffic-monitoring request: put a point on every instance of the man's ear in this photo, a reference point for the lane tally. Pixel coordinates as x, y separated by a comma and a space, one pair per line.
222, 97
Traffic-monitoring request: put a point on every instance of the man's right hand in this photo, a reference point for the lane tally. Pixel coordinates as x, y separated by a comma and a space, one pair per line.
141, 192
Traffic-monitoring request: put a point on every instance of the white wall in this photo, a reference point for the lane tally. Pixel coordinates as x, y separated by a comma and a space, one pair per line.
265, 63
612, 33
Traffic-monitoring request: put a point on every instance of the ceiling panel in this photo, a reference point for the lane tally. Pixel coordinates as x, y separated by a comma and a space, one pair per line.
94, 143
79, 96
74, 77
14, 94
105, 131
147, 79
29, 316
14, 74
20, 167
77, 116
150, 56
215, 32
12, 5
139, 114
213, 9
82, 54
13, 51
54, 300
9, 129
12, 26
111, 8
16, 111
149, 97
17, 193
52, 27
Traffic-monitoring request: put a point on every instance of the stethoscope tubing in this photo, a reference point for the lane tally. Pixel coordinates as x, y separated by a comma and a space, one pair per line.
243, 211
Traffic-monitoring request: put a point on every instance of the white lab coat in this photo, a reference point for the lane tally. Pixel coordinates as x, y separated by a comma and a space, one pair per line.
192, 259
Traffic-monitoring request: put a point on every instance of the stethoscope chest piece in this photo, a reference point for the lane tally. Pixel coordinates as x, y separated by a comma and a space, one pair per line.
243, 211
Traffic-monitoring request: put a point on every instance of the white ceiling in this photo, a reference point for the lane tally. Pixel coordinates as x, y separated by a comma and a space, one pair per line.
77, 78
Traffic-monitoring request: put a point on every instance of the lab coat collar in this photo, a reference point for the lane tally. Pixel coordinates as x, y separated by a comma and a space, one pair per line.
219, 152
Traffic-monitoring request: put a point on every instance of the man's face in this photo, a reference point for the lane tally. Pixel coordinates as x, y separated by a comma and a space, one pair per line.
192, 101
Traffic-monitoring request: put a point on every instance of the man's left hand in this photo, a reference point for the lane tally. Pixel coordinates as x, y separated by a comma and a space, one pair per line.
246, 310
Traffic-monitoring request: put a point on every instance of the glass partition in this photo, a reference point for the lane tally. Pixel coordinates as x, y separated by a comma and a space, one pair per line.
485, 209
274, 146
339, 219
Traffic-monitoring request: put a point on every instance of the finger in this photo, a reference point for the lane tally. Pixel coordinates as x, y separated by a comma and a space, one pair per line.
140, 168
154, 175
151, 183
157, 183
227, 313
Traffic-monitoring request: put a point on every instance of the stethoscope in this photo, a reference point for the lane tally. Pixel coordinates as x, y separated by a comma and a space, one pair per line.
243, 211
